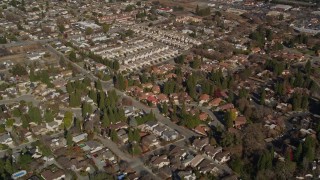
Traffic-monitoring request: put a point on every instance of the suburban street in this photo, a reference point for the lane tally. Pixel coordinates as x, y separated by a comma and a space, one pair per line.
134, 162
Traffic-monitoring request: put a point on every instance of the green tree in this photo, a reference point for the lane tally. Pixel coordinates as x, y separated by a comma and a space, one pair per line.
105, 27
298, 153
114, 136
19, 70
68, 119
49, 116
263, 97
9, 122
308, 67
89, 31
116, 65
35, 115
69, 139
73, 56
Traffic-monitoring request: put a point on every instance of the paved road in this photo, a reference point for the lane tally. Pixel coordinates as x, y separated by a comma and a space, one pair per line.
215, 120
134, 162
27, 98
182, 130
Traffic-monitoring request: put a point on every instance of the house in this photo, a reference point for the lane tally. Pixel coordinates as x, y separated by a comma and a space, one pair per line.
178, 152
150, 125
79, 137
207, 166
222, 157
187, 175
203, 116
52, 126
156, 89
162, 98
215, 102
152, 99
93, 146
169, 135
123, 135
200, 143
204, 98
160, 161
39, 130
158, 130
240, 121
56, 175
150, 141
187, 160
6, 139
196, 160
57, 143
165, 172
202, 129
226, 107
211, 151
118, 126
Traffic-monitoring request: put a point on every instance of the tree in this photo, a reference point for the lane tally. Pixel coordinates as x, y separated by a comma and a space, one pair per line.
263, 97
195, 64
307, 67
113, 135
68, 119
236, 164
89, 31
136, 150
69, 139
105, 27
19, 70
48, 116
9, 122
86, 109
228, 119
116, 65
105, 120
73, 56
180, 59
298, 153
164, 109
35, 115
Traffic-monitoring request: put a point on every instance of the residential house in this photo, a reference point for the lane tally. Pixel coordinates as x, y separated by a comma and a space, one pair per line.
158, 130
207, 166
212, 151
187, 160
169, 135
215, 102
203, 116
226, 107
56, 175
156, 89
162, 98
222, 157
123, 135
160, 161
150, 141
187, 175
178, 152
93, 146
204, 98
80, 137
52, 126
196, 160
240, 121
150, 125
118, 126
6, 139
200, 143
